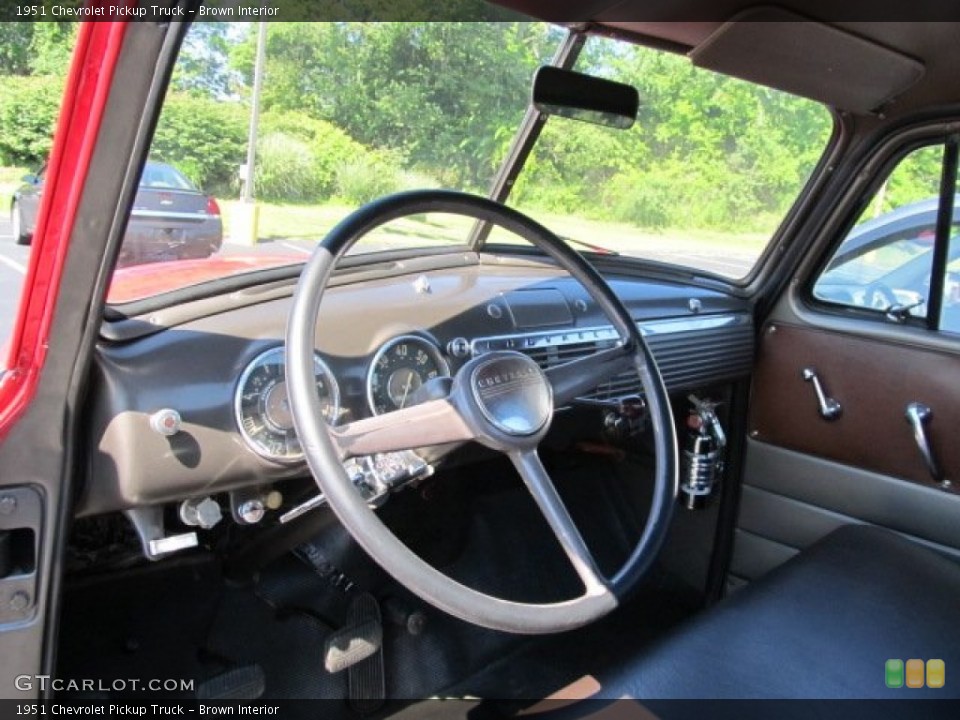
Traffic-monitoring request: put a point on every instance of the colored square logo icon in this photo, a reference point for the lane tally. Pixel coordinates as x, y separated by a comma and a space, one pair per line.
936, 673
915, 673
894, 673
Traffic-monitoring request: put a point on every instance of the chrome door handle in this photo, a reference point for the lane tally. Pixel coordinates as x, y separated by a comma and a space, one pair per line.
830, 409
919, 416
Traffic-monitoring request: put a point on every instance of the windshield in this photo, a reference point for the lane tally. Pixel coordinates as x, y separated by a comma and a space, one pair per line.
349, 112
703, 178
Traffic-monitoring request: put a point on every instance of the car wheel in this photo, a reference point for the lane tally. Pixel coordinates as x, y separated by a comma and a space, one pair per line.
16, 220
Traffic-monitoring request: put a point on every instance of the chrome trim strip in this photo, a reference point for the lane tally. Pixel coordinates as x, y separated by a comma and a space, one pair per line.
554, 338
171, 215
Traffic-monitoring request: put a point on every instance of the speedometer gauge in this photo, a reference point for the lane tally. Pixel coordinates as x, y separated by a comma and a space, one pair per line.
263, 408
399, 368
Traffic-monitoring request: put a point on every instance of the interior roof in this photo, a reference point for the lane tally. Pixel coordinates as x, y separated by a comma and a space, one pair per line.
661, 22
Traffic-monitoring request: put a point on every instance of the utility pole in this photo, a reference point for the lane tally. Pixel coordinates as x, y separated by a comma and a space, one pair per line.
255, 112
245, 215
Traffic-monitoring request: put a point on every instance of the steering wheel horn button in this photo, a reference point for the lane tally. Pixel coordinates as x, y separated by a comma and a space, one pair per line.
512, 393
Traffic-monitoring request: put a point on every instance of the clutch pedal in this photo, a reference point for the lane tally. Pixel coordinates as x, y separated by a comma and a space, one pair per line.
358, 648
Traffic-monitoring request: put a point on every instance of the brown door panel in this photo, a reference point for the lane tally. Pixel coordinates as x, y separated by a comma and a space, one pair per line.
874, 382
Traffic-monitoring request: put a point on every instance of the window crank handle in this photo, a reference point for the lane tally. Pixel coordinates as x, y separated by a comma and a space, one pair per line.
830, 409
919, 415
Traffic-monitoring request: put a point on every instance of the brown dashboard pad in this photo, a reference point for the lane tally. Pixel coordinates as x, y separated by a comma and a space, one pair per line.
874, 381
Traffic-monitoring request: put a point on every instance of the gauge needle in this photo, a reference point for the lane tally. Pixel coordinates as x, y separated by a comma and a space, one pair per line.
406, 389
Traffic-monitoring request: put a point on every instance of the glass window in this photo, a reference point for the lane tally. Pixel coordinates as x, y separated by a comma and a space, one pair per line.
33, 64
884, 263
703, 179
349, 112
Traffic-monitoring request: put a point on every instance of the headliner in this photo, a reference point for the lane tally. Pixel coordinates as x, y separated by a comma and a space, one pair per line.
931, 48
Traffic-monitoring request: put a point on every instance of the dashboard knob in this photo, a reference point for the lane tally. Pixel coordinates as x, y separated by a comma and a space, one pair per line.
167, 422
251, 511
204, 513
458, 347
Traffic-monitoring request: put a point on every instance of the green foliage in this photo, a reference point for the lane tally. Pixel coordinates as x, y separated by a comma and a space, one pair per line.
443, 95
285, 169
367, 177
916, 177
325, 146
36, 48
28, 114
707, 151
202, 66
205, 139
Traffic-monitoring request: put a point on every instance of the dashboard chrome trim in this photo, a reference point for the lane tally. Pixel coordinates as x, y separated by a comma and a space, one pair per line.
602, 333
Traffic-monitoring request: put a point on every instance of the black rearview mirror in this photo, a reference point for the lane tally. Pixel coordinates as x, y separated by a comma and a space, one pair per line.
585, 97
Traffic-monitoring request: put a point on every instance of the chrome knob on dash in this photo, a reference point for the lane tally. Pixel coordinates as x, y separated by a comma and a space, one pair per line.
829, 408
166, 422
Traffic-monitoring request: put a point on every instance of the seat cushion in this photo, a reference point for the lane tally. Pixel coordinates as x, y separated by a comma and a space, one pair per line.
823, 625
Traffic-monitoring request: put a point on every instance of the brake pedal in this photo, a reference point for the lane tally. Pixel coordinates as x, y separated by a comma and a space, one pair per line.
242, 683
358, 648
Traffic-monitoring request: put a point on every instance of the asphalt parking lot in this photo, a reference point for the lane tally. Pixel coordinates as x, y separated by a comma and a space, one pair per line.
13, 267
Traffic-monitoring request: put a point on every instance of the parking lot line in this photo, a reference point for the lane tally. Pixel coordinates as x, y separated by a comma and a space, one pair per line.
298, 249
13, 264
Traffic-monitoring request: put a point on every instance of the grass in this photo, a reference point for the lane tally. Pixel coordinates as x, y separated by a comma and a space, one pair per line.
731, 253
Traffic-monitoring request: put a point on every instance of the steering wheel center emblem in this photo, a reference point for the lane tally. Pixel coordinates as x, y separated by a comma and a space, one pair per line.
513, 394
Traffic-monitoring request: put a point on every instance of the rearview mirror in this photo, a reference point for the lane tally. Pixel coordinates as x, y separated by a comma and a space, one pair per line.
585, 97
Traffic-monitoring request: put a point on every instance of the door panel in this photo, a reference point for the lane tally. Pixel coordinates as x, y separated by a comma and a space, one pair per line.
874, 382
804, 476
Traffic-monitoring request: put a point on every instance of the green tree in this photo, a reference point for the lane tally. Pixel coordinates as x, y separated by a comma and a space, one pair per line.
203, 66
430, 91
40, 48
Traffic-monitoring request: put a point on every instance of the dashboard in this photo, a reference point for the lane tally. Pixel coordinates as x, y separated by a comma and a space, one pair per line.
191, 401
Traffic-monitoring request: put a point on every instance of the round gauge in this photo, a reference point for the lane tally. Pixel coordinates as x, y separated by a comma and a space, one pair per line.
399, 368
263, 409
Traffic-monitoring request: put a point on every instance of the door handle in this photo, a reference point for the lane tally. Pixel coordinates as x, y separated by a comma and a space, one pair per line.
830, 408
919, 416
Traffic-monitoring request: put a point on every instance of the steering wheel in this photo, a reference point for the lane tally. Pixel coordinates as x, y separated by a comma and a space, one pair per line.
502, 400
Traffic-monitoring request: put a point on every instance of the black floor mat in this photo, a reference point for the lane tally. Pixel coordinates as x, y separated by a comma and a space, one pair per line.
151, 625
182, 620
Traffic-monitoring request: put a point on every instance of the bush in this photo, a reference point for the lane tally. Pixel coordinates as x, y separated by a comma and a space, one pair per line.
367, 177
203, 138
329, 146
28, 114
286, 170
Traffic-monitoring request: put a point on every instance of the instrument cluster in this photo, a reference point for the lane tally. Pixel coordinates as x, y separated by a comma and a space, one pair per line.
397, 370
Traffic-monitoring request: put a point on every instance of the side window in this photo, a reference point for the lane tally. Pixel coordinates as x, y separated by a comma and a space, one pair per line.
885, 263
